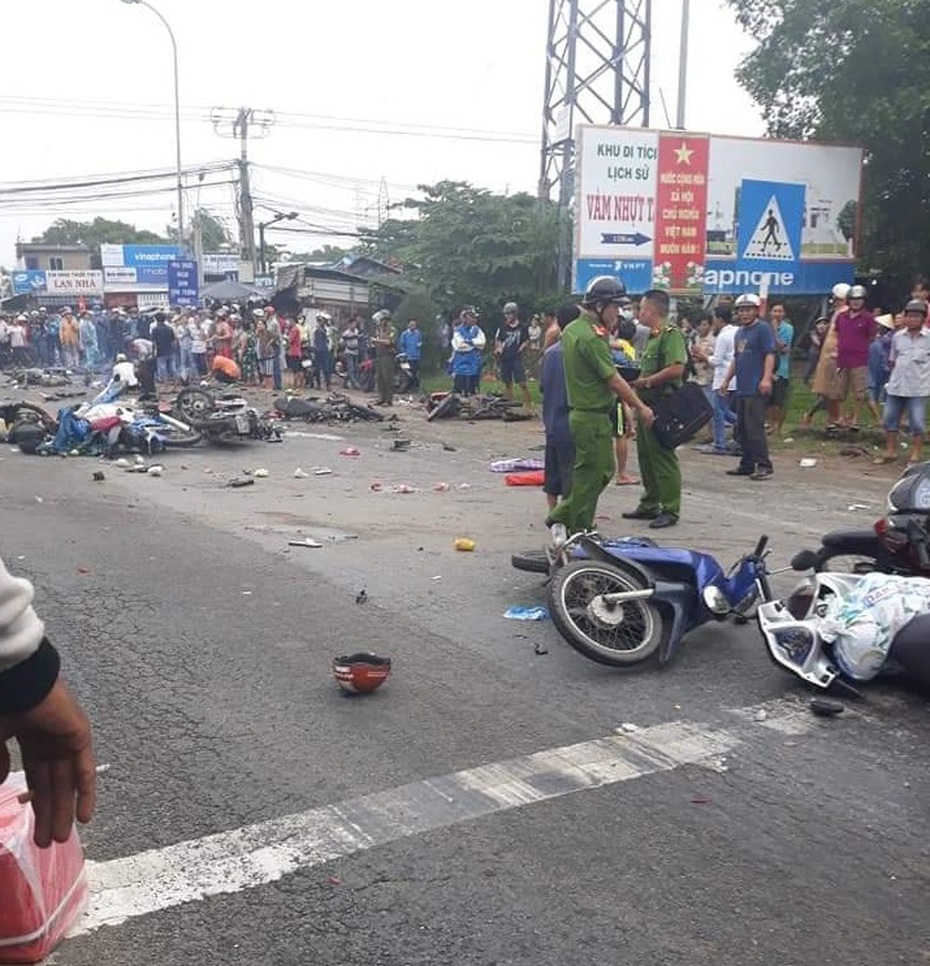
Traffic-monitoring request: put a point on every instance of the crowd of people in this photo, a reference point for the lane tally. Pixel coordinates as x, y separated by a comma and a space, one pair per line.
741, 355
256, 345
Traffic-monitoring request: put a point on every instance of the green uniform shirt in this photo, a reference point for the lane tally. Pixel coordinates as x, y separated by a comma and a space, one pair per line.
663, 350
588, 366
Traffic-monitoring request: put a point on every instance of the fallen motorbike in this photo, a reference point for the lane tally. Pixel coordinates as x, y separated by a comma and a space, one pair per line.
896, 543
18, 416
799, 636
620, 601
222, 418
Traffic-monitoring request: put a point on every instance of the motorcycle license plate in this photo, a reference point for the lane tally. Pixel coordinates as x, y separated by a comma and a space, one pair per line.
242, 424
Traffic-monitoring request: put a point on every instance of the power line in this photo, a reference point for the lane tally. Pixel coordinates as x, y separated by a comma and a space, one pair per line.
291, 119
35, 188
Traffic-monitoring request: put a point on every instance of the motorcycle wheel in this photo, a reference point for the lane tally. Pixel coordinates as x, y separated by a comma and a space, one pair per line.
617, 635
176, 437
450, 406
194, 404
845, 563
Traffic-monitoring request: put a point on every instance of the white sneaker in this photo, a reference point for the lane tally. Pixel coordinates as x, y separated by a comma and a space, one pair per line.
558, 533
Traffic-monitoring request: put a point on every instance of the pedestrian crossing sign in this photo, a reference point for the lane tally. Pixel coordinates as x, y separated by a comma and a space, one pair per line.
771, 215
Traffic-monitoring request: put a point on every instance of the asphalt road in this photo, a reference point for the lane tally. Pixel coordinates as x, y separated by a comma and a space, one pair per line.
201, 643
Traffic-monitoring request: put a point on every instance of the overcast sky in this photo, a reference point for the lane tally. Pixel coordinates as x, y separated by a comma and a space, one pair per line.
88, 90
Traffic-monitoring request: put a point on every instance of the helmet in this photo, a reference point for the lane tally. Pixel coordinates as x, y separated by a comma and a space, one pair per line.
361, 673
841, 291
748, 300
121, 357
857, 292
511, 308
918, 306
605, 290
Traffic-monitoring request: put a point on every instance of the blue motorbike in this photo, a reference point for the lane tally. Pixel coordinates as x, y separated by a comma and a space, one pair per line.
620, 601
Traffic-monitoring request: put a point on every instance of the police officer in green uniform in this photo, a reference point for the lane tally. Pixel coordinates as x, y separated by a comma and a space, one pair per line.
662, 368
592, 385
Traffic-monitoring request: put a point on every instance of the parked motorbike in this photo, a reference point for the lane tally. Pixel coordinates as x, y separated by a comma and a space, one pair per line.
896, 543
620, 601
791, 631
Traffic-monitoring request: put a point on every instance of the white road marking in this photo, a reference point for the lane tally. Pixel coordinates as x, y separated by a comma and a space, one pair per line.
244, 858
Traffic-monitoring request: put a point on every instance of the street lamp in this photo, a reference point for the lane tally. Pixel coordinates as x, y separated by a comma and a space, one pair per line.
177, 115
262, 225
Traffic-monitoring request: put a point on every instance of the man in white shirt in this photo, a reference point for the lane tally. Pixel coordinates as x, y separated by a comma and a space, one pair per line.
125, 372
722, 357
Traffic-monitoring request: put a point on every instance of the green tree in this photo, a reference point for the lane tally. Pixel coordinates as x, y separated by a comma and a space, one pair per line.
95, 233
328, 254
216, 236
467, 245
854, 71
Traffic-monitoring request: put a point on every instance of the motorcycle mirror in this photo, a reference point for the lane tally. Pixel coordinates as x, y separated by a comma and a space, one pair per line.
715, 601
804, 560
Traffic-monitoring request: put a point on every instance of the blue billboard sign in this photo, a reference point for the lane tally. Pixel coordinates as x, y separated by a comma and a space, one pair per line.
183, 285
31, 282
635, 273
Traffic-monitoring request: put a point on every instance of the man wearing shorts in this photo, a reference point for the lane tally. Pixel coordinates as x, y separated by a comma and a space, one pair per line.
855, 330
510, 343
909, 383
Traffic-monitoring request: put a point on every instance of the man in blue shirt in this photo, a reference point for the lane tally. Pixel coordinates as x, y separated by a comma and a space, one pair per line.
754, 367
410, 343
560, 447
784, 340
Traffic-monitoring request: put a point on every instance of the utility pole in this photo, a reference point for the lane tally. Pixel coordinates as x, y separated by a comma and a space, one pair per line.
243, 123
683, 64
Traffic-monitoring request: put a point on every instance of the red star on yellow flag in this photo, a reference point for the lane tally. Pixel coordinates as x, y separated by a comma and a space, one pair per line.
684, 153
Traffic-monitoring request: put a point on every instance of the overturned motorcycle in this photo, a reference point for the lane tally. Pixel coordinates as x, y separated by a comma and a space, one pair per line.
621, 601
224, 417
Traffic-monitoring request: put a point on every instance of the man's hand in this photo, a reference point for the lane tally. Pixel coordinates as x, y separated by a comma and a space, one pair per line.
55, 741
765, 387
647, 416
722, 390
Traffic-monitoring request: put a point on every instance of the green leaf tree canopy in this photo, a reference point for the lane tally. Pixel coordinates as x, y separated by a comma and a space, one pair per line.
100, 231
855, 72
469, 246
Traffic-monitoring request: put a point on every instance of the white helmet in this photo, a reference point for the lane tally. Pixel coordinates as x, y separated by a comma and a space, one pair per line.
841, 291
749, 300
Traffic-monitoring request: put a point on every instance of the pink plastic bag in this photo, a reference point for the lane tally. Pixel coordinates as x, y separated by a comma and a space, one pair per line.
43, 892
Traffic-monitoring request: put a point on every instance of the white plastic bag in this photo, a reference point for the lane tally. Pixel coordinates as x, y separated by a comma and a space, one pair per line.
863, 625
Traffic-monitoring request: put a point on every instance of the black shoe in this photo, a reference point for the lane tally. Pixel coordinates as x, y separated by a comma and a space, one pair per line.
740, 472
761, 474
663, 520
640, 514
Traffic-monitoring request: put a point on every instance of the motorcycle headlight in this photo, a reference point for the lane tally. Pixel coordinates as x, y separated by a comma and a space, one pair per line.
796, 642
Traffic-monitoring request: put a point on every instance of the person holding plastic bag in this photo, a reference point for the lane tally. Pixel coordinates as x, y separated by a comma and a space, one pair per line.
37, 710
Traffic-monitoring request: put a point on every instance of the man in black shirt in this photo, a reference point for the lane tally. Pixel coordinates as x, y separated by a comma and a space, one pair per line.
510, 343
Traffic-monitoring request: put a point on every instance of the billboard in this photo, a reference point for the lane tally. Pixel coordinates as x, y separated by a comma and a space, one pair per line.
74, 283
183, 285
701, 214
143, 264
30, 282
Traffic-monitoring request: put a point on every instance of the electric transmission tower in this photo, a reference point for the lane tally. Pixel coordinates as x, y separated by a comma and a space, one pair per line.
243, 123
597, 72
